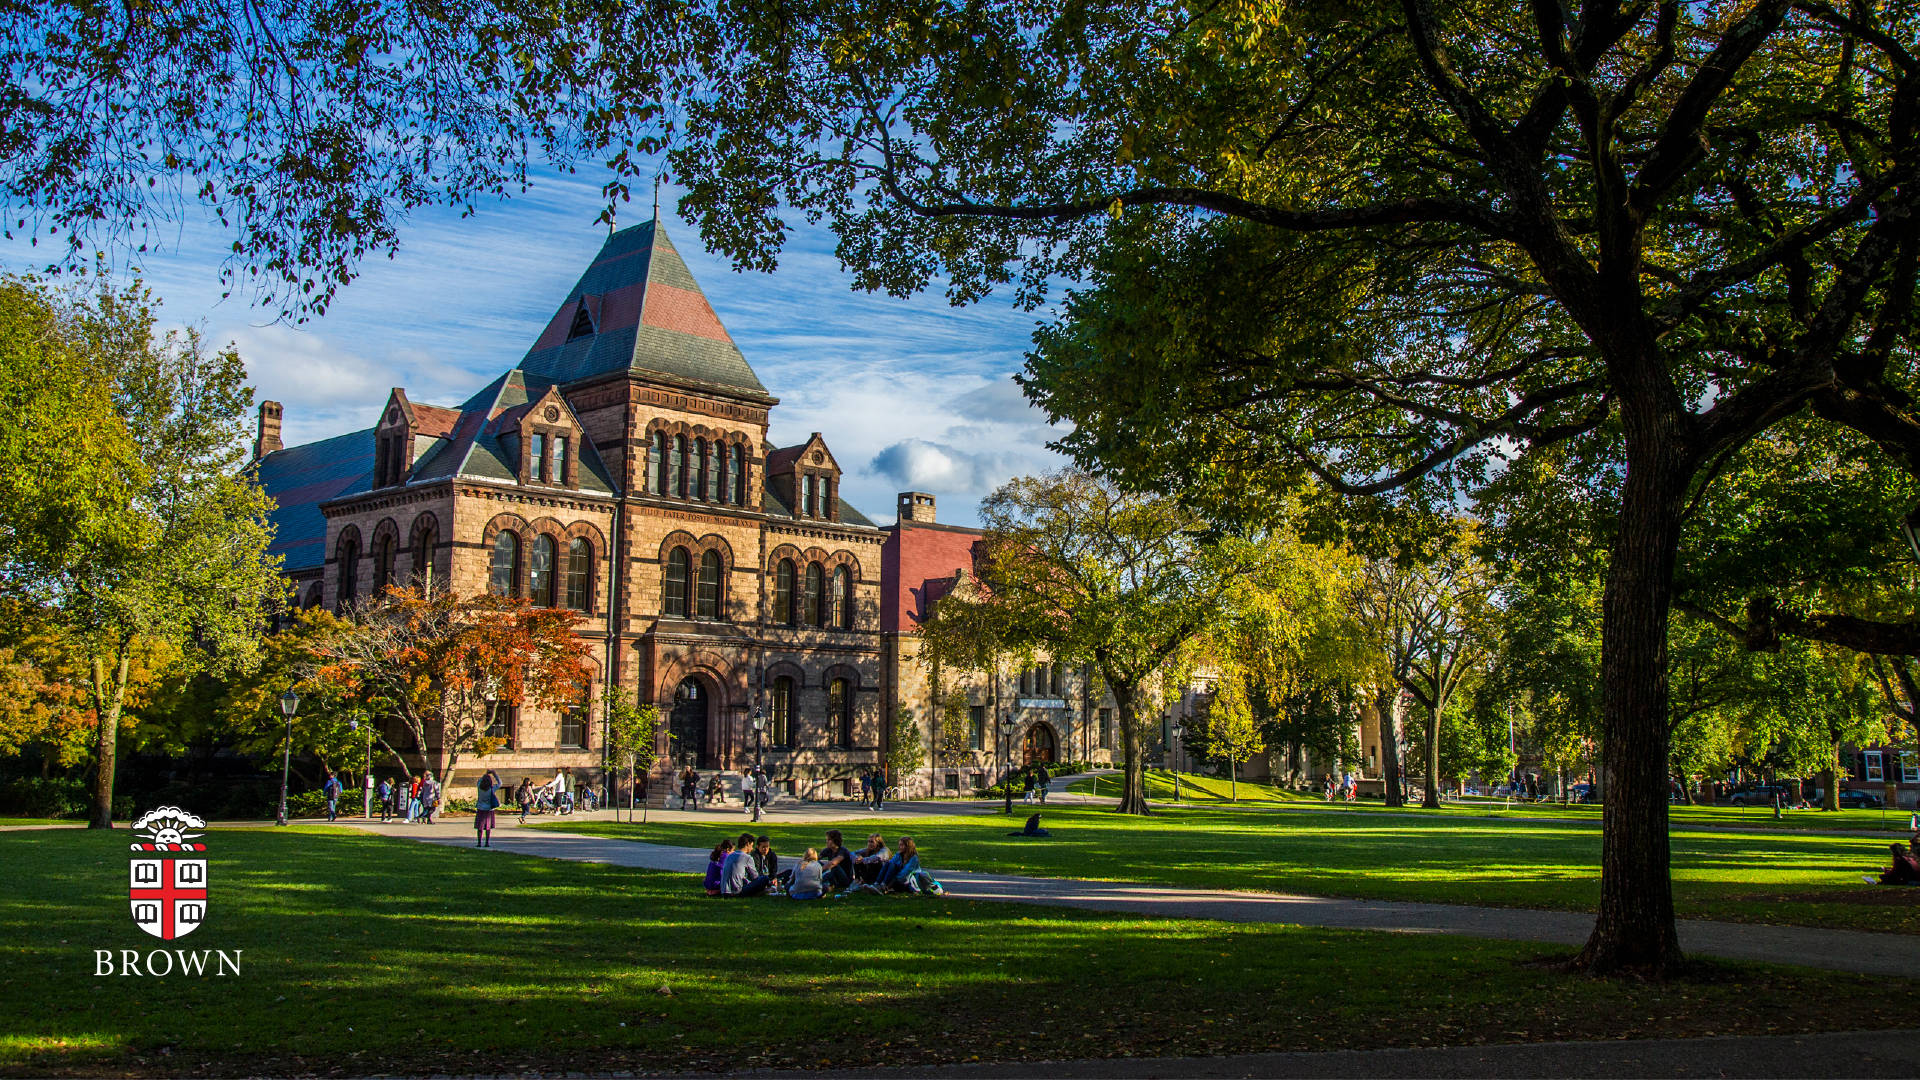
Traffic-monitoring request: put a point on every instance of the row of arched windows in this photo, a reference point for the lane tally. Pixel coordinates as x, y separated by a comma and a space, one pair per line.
783, 726
819, 600
550, 581
426, 540
712, 471
684, 596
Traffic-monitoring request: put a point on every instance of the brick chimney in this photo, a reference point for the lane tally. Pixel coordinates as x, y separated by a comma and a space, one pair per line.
269, 440
916, 506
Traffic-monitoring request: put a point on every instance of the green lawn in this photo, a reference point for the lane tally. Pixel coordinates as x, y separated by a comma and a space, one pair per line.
1211, 790
5, 821
366, 954
1799, 879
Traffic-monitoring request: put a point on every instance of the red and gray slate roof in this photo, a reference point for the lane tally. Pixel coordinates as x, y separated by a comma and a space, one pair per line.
649, 316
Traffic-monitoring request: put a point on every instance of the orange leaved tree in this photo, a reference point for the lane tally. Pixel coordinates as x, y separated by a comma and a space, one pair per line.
443, 664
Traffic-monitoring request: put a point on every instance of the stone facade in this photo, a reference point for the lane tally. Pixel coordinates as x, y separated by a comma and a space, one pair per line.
622, 470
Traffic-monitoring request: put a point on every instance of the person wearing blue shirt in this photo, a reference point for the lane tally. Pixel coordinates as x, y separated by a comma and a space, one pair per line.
894, 877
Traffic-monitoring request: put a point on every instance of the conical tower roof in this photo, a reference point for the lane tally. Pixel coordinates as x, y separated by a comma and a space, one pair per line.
637, 308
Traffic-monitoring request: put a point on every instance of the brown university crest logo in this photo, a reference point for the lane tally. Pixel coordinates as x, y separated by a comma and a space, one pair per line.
168, 886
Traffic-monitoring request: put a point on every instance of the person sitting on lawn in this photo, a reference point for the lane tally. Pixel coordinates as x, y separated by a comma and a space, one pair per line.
836, 863
808, 878
1905, 869
716, 866
869, 862
899, 870
766, 861
736, 874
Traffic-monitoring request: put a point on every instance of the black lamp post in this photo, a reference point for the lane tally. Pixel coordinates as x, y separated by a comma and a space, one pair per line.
289, 704
759, 729
1175, 731
1006, 769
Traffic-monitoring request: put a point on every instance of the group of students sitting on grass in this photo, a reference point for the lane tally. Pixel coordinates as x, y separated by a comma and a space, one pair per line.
748, 867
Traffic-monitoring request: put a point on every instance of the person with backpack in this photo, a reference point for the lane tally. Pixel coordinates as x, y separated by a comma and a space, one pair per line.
332, 791
429, 797
386, 799
1042, 779
484, 807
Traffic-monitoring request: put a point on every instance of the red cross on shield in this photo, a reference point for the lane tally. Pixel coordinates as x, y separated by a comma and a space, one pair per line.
169, 896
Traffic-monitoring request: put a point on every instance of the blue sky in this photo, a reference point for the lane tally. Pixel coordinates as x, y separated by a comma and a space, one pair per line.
910, 394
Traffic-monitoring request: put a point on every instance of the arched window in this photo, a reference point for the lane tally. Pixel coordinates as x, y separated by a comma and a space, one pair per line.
503, 569
712, 486
382, 564
729, 465
842, 598
659, 470
680, 465
699, 468
579, 573
426, 538
349, 571
816, 598
313, 596
839, 713
709, 586
739, 475
783, 598
781, 729
674, 600
540, 572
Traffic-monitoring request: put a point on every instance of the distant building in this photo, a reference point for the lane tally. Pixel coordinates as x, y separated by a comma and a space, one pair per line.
620, 469
1050, 707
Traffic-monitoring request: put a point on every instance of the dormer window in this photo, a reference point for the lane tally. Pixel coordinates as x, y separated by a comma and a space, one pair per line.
536, 457
582, 322
558, 473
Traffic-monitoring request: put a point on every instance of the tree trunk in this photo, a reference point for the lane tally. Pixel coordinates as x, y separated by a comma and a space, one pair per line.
1635, 929
106, 740
1686, 790
1386, 702
1133, 788
1830, 784
1233, 781
1431, 797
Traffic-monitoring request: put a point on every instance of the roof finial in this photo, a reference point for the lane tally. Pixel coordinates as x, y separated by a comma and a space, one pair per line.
656, 198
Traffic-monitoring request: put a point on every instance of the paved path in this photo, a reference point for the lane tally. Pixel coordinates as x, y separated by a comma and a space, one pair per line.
1850, 1053
1836, 950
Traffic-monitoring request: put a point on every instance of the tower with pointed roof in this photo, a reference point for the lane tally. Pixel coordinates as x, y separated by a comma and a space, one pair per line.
622, 469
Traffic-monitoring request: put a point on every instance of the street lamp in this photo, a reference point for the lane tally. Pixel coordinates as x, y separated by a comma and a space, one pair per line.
1175, 731
289, 704
759, 729
1006, 761
366, 770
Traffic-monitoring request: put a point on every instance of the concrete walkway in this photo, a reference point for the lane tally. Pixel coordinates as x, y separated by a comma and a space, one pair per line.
1835, 950
1850, 1053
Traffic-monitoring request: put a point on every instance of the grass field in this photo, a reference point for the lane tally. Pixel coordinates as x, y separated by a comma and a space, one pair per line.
366, 954
1212, 790
1798, 879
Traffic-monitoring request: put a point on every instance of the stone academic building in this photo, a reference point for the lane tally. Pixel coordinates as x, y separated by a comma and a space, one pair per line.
620, 469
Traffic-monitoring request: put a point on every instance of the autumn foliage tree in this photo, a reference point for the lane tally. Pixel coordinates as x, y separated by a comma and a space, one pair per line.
441, 664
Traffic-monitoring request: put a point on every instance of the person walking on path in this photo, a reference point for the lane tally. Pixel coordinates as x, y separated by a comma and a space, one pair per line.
332, 791
386, 799
689, 789
1026, 776
429, 797
880, 789
484, 808
1045, 777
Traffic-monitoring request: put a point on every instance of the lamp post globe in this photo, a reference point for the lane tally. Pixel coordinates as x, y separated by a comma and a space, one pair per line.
759, 729
289, 705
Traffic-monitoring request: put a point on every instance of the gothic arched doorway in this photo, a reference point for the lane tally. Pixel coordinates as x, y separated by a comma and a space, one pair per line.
687, 723
1039, 745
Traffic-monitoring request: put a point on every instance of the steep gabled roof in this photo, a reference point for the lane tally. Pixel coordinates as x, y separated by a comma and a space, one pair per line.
299, 479
637, 308
475, 451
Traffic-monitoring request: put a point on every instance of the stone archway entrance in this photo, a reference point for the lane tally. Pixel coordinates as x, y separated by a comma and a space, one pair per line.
687, 723
1039, 745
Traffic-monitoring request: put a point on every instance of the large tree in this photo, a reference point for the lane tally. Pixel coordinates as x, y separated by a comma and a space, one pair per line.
161, 545
1080, 570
